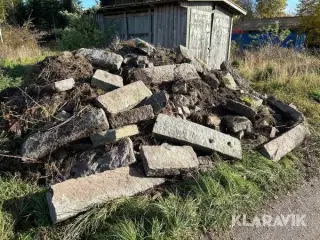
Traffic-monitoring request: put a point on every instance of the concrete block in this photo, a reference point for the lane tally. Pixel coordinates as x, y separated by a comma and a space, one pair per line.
132, 116
237, 123
74, 196
282, 145
200, 137
168, 160
241, 109
125, 98
158, 101
64, 85
287, 110
102, 59
113, 135
106, 81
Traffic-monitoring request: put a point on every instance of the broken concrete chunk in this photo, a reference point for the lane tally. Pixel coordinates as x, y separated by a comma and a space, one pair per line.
198, 136
69, 198
167, 73
113, 135
229, 82
119, 156
106, 81
211, 79
64, 85
237, 123
185, 56
102, 58
124, 98
143, 46
158, 101
40, 144
226, 66
102, 159
287, 110
241, 109
185, 72
186, 111
180, 88
168, 160
132, 116
282, 145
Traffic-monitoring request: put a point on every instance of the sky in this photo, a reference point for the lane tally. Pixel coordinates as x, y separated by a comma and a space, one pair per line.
290, 8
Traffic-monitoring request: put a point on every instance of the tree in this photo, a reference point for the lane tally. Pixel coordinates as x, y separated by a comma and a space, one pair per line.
309, 12
10, 10
307, 7
249, 6
271, 8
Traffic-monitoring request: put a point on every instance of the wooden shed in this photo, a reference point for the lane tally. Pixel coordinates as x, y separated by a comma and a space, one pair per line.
205, 27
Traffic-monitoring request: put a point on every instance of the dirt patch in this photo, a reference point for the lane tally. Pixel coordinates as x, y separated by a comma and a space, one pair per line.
56, 68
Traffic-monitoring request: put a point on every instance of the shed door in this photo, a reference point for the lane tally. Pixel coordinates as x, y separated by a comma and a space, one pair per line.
220, 38
199, 33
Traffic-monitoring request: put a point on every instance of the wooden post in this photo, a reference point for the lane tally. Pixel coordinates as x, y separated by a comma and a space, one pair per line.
1, 39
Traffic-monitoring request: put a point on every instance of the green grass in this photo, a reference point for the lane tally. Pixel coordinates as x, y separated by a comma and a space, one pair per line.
184, 209
13, 71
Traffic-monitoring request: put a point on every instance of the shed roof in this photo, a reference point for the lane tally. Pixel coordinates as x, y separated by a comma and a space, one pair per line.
291, 23
115, 4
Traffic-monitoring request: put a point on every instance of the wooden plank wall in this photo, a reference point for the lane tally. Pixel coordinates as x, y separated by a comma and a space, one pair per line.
220, 37
163, 26
169, 25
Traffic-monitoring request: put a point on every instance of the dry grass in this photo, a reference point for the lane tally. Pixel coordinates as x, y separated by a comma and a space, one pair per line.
19, 43
290, 75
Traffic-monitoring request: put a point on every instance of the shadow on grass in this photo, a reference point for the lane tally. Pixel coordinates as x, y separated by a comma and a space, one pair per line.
29, 211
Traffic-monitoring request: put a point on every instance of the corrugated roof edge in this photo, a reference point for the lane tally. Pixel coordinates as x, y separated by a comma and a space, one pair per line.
233, 6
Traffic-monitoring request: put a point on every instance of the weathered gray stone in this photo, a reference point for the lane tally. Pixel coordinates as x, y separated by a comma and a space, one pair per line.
158, 101
106, 81
167, 73
185, 72
186, 111
133, 116
102, 59
241, 109
40, 144
69, 198
229, 82
226, 66
180, 88
198, 136
124, 98
64, 85
119, 156
113, 135
63, 115
102, 159
282, 145
237, 123
143, 46
168, 160
285, 109
184, 55
211, 79
181, 100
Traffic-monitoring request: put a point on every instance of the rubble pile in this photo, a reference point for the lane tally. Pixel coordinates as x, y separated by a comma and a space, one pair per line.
98, 125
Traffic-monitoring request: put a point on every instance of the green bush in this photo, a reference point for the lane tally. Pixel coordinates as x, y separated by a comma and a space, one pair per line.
83, 32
